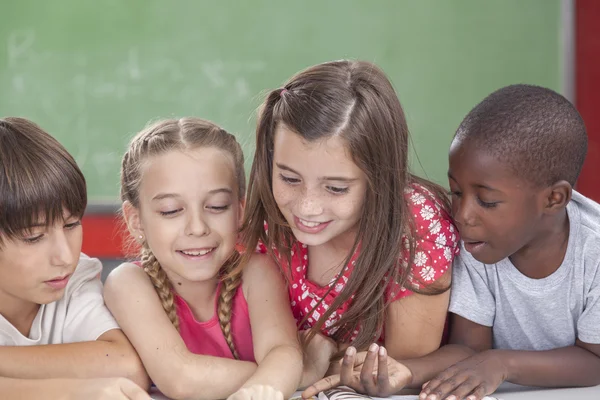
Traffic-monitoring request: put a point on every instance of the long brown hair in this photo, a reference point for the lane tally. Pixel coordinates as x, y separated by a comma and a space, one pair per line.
355, 101
183, 134
39, 179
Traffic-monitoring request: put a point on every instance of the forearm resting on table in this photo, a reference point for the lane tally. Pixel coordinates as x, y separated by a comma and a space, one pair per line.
427, 367
281, 368
201, 377
566, 366
95, 359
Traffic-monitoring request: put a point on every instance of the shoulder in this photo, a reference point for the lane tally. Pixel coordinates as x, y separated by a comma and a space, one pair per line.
261, 273
588, 216
88, 269
260, 266
126, 276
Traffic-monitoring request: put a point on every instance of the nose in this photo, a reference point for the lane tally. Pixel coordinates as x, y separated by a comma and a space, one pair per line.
63, 253
463, 212
196, 225
310, 204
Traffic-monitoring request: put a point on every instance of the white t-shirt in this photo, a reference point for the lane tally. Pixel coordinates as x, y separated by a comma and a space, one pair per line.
80, 316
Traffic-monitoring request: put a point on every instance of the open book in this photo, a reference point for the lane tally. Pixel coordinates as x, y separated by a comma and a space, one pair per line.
345, 393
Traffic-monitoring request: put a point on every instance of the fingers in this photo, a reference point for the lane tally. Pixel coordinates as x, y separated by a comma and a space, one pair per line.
133, 391
367, 374
319, 386
462, 390
439, 388
347, 369
383, 377
479, 393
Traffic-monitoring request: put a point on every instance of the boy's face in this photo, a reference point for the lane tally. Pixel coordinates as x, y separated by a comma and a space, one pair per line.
35, 267
496, 212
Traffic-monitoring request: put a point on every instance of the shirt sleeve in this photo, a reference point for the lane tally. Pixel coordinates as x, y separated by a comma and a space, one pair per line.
87, 316
436, 242
471, 297
589, 321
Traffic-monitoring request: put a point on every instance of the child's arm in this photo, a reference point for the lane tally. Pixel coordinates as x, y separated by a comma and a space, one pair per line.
176, 371
93, 346
377, 374
111, 355
414, 325
274, 333
71, 389
482, 373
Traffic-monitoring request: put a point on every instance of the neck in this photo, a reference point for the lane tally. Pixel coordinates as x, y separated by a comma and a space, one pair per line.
327, 260
543, 255
19, 313
200, 296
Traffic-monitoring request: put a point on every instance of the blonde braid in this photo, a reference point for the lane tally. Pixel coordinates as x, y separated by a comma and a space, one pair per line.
161, 283
229, 285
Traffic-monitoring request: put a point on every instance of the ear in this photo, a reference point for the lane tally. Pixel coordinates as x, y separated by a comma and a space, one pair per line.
242, 208
132, 218
557, 197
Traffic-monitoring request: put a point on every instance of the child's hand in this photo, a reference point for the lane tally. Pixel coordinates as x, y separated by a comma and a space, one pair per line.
316, 358
257, 392
472, 378
106, 389
372, 372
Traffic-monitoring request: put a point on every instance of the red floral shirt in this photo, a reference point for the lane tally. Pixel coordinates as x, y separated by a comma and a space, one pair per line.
436, 244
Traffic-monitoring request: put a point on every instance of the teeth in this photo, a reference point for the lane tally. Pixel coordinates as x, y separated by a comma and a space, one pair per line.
309, 223
196, 253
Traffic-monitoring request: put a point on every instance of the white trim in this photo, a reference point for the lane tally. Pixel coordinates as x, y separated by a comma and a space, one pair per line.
567, 43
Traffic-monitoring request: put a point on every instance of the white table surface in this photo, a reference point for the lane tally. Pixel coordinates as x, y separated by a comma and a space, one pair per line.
507, 391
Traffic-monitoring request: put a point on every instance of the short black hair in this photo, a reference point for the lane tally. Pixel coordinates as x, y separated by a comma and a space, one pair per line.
535, 130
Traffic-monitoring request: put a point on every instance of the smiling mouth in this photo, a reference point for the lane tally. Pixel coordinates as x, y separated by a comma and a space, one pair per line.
197, 253
310, 224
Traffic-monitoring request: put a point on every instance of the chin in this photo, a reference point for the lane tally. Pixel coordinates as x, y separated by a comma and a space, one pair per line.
310, 239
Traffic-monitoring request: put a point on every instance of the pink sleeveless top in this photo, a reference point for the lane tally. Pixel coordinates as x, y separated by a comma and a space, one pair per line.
207, 337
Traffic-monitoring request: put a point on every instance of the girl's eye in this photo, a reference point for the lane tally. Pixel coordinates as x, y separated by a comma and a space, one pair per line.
337, 189
486, 204
218, 208
170, 212
289, 181
73, 225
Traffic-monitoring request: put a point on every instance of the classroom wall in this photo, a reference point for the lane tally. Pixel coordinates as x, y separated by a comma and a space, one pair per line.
94, 73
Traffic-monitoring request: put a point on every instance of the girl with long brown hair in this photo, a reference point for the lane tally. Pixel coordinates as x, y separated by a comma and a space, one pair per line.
205, 324
366, 246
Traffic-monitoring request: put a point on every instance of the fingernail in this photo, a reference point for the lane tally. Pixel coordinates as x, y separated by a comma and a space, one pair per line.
451, 397
373, 347
382, 351
350, 351
432, 397
423, 396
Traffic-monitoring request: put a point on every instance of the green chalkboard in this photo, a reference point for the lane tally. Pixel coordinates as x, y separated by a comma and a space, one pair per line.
93, 73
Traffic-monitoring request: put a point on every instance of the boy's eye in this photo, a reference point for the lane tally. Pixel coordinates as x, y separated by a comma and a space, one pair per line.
486, 204
338, 189
289, 180
73, 225
33, 239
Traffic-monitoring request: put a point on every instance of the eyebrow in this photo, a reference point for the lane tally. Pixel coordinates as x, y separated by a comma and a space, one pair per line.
323, 178
477, 185
162, 196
